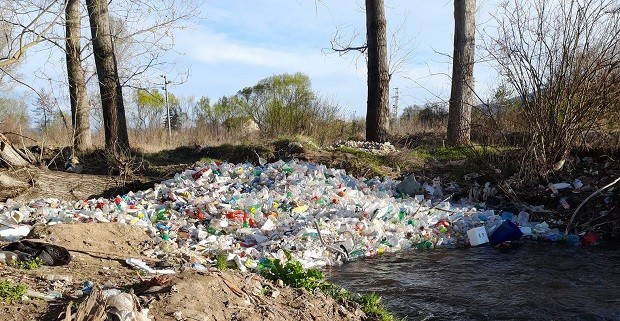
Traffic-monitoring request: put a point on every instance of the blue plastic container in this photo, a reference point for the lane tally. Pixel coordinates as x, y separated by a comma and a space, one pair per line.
507, 231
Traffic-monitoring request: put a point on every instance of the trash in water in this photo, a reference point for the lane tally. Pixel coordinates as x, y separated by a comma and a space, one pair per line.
507, 231
477, 236
322, 216
589, 239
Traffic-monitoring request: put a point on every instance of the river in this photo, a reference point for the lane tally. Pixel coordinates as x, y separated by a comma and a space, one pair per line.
534, 281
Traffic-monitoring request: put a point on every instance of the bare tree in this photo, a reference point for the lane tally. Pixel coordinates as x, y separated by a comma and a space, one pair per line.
6, 32
80, 115
376, 48
462, 92
142, 28
31, 26
378, 109
115, 126
562, 59
142, 32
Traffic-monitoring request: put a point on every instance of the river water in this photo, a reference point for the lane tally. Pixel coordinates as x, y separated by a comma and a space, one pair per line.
537, 281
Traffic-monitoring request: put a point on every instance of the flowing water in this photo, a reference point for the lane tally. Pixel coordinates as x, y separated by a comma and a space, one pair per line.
529, 282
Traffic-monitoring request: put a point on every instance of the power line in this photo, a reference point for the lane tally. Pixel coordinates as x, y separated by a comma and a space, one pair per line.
395, 107
165, 88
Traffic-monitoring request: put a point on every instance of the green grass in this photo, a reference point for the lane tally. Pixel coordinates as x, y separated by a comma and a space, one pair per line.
441, 154
363, 163
293, 274
220, 262
30, 264
447, 154
465, 160
10, 291
372, 305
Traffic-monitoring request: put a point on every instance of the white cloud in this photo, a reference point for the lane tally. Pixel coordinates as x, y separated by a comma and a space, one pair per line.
208, 47
243, 42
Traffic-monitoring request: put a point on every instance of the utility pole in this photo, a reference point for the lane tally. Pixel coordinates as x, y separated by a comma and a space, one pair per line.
395, 107
165, 88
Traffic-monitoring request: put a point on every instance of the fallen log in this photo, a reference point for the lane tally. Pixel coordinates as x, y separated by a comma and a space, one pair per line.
11, 155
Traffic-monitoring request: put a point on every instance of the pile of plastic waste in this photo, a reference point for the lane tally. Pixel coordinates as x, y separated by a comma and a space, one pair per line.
371, 147
322, 216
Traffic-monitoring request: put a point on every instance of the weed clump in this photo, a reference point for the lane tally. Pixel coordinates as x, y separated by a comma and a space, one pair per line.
293, 274
29, 264
10, 291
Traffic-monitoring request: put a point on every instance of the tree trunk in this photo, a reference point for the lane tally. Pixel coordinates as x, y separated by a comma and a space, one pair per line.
80, 118
378, 104
115, 125
10, 155
461, 94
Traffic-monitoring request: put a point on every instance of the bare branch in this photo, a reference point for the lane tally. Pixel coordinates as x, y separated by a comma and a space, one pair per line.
23, 44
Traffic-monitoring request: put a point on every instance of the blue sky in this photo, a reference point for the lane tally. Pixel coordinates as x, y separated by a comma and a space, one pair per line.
241, 42
237, 43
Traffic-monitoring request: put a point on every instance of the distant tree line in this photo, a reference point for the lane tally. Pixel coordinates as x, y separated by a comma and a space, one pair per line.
559, 58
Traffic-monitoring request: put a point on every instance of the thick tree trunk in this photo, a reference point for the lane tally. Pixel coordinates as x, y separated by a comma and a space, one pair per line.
115, 125
378, 108
462, 92
80, 119
9, 154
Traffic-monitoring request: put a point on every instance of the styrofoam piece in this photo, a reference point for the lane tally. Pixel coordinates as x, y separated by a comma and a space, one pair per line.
12, 234
477, 236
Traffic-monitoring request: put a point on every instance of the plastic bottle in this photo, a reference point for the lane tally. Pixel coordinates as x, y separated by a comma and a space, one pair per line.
564, 203
523, 218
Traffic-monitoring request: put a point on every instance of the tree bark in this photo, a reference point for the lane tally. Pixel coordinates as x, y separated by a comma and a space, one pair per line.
115, 125
80, 118
462, 92
378, 104
10, 155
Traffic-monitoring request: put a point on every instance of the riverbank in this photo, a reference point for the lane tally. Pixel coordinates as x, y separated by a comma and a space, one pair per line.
228, 207
99, 252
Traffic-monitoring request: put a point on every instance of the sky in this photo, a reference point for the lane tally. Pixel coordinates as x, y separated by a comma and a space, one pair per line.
236, 43
241, 42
